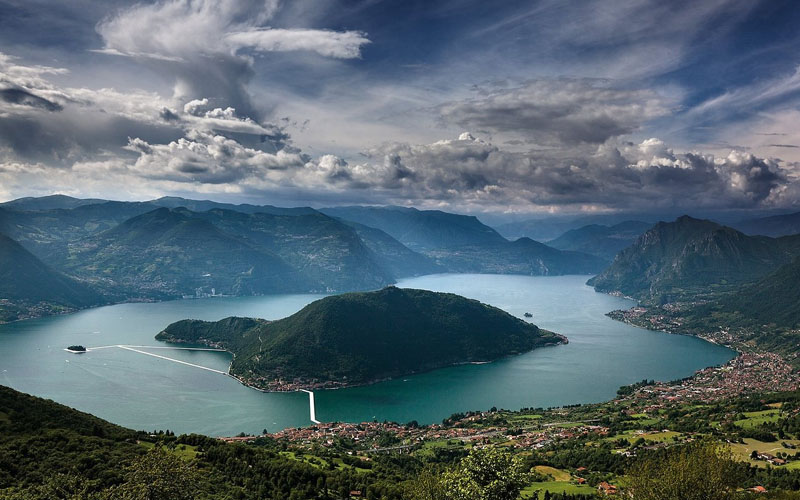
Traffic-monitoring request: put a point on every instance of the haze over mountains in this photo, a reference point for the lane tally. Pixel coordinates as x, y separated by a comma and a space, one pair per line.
172, 247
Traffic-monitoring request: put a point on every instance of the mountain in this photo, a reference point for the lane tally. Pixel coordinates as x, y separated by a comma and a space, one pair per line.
174, 252
536, 229
599, 240
359, 338
690, 257
460, 243
523, 256
51, 202
168, 253
206, 205
395, 257
421, 229
47, 232
329, 252
776, 225
29, 287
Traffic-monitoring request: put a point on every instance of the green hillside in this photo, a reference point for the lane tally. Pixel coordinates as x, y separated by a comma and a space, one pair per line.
358, 338
27, 285
331, 254
772, 299
690, 258
169, 253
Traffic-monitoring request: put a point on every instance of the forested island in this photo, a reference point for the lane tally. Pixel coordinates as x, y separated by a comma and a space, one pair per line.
361, 338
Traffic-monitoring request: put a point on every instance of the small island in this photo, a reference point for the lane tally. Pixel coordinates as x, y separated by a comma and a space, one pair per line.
528, 315
76, 348
362, 338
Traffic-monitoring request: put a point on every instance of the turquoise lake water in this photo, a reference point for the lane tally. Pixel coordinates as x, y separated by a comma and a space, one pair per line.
144, 392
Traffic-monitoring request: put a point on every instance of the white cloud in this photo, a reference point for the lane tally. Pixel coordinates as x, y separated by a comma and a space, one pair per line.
180, 29
341, 45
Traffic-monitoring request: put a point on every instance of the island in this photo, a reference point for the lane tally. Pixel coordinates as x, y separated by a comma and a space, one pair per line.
76, 348
362, 338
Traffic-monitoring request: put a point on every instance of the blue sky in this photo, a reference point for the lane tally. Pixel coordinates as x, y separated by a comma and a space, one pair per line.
504, 107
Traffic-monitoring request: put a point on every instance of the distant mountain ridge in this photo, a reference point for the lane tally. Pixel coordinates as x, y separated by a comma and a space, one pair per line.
599, 240
460, 243
687, 257
420, 229
358, 338
775, 226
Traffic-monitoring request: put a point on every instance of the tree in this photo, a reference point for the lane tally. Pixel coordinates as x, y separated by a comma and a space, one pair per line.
427, 486
158, 475
702, 470
486, 474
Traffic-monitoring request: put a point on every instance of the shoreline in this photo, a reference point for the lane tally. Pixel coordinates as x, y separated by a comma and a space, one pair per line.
335, 385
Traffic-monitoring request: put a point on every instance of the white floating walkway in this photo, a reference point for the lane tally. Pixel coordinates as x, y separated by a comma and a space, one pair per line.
311, 407
129, 348
136, 348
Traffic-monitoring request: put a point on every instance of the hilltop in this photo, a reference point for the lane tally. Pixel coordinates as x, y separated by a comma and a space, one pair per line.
358, 338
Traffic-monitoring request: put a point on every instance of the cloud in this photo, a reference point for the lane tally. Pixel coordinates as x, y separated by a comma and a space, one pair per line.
203, 157
341, 45
25, 98
567, 111
207, 44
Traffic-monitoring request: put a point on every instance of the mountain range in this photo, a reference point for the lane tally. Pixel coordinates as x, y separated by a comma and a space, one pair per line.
775, 225
463, 244
173, 247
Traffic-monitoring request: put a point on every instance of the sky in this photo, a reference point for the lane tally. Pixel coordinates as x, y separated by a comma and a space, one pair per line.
514, 107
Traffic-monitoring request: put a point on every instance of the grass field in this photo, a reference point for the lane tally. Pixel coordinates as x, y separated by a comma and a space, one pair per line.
556, 474
556, 487
756, 418
743, 451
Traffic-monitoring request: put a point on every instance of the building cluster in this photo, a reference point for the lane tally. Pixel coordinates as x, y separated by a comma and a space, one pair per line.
747, 373
541, 438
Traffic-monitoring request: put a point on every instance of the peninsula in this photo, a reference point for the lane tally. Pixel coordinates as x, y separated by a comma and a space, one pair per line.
362, 338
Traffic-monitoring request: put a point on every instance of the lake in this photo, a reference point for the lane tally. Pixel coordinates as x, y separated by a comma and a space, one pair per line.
147, 392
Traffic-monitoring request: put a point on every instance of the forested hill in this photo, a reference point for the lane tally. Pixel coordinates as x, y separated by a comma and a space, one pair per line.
765, 313
688, 258
49, 451
26, 283
358, 338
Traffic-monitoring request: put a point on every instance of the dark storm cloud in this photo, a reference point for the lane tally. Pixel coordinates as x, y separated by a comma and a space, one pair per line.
25, 98
568, 111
